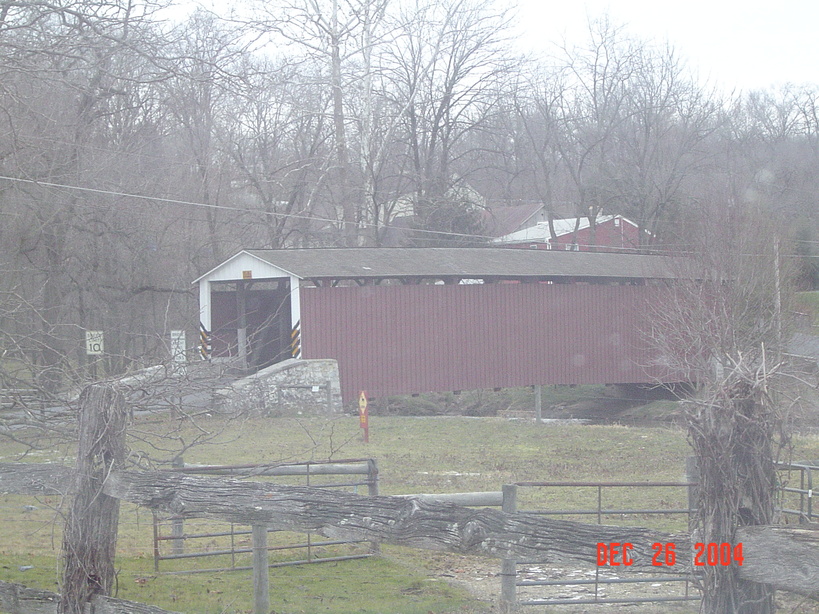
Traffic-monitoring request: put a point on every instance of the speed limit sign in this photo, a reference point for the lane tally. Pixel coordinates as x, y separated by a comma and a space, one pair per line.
94, 343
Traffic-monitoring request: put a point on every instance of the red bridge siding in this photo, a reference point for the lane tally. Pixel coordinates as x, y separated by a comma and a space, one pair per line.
406, 339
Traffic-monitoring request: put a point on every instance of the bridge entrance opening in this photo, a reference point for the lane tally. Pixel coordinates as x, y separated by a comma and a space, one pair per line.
250, 321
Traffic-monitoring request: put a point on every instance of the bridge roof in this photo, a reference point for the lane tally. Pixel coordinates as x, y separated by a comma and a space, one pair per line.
465, 263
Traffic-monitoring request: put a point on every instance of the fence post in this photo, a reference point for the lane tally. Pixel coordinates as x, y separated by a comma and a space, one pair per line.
177, 524
372, 490
692, 476
538, 404
90, 535
261, 571
156, 539
372, 477
509, 570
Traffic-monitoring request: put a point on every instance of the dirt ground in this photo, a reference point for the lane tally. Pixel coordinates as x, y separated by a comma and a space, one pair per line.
481, 577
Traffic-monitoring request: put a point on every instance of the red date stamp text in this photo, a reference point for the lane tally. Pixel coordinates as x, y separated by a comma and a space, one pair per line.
615, 554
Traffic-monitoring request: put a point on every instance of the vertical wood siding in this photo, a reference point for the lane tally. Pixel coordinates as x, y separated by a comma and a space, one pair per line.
425, 338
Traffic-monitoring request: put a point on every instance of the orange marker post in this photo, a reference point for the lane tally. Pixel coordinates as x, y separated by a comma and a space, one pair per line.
363, 415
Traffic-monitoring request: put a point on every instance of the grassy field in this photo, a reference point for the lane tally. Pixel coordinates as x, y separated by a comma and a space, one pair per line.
414, 454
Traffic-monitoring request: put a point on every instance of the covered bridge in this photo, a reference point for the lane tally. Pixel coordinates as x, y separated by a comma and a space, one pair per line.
409, 320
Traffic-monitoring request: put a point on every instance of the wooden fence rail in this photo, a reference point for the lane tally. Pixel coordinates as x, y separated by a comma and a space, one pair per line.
18, 599
784, 557
358, 471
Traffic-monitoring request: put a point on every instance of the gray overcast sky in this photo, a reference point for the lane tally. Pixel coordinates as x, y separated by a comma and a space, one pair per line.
743, 44
734, 44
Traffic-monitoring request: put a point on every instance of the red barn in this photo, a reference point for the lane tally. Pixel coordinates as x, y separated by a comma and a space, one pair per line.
408, 320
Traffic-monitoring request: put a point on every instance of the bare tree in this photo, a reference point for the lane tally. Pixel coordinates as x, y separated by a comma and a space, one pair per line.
449, 65
207, 68
339, 36
590, 110
278, 140
538, 105
70, 62
723, 328
661, 144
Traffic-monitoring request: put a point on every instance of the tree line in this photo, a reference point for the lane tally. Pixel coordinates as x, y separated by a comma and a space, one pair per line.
141, 143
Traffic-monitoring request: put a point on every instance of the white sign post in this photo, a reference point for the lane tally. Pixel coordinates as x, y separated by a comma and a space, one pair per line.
179, 349
94, 343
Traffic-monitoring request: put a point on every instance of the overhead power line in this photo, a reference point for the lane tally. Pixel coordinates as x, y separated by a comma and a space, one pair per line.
189, 203
655, 249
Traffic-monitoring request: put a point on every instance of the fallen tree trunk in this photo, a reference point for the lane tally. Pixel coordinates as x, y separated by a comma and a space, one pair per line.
396, 520
782, 557
18, 599
35, 478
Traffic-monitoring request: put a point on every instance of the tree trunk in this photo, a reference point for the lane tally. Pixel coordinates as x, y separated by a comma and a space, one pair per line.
348, 213
90, 536
732, 442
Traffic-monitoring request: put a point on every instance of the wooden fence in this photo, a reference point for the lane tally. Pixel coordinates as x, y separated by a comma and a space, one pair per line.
785, 558
21, 398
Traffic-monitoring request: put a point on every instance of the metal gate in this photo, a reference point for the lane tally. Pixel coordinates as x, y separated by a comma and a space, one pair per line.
592, 586
796, 491
178, 539
795, 501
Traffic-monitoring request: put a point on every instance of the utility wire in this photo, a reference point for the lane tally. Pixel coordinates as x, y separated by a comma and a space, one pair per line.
654, 249
189, 203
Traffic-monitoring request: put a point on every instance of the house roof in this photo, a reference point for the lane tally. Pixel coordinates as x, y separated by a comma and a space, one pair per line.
497, 221
540, 232
460, 262
504, 220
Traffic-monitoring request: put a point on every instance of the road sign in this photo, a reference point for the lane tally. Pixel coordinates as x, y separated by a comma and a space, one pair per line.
94, 343
179, 349
178, 346
364, 416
